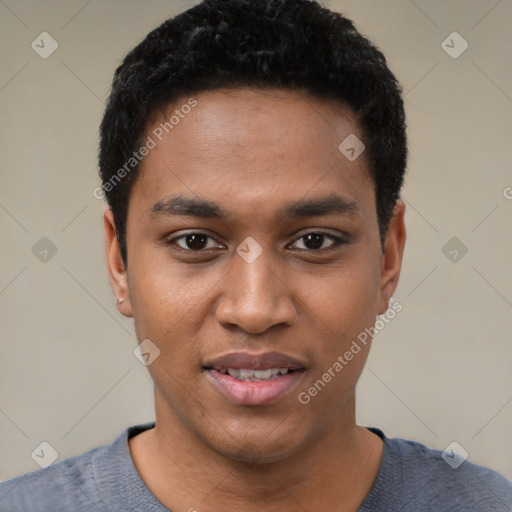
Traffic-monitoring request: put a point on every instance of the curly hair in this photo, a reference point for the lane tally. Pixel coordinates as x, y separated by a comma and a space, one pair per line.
289, 44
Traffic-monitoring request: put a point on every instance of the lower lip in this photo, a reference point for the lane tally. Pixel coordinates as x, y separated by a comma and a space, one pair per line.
254, 393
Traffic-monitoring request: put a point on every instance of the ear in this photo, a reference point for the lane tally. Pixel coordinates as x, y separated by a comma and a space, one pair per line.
391, 262
115, 265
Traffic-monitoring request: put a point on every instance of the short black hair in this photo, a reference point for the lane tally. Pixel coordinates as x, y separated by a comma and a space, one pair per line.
290, 44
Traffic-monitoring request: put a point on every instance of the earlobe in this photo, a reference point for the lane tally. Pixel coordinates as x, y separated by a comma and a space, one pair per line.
391, 262
115, 266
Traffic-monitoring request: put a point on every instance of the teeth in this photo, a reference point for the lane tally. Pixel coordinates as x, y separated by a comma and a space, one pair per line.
245, 374
255, 375
263, 374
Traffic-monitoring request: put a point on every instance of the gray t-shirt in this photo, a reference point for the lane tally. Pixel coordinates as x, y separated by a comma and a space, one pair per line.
411, 477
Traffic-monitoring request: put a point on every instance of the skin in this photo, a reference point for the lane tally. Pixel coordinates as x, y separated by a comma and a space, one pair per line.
253, 151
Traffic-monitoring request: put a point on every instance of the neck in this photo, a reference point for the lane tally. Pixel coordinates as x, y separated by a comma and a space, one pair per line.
186, 474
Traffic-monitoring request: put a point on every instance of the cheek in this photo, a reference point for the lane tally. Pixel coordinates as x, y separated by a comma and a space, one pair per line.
164, 299
342, 306
346, 299
173, 307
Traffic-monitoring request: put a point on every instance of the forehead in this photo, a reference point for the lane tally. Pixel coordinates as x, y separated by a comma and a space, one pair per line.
252, 147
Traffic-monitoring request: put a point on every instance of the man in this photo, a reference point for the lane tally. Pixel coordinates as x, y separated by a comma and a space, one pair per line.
252, 154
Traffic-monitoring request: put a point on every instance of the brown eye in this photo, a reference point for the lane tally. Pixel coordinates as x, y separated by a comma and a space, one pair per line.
314, 241
194, 242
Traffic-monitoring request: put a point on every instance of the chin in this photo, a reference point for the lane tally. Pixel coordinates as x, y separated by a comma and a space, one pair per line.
257, 449
256, 455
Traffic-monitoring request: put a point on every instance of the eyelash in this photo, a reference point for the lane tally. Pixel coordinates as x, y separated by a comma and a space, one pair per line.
338, 241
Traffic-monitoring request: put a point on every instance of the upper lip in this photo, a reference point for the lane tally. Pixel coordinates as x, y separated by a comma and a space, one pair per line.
251, 361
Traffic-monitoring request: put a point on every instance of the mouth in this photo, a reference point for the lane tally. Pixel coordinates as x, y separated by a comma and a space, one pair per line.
254, 379
248, 375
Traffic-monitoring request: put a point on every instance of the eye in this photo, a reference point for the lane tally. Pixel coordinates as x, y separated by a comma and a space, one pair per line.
194, 242
314, 241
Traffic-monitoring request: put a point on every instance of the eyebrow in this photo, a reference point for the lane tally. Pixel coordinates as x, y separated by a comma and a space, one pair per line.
204, 209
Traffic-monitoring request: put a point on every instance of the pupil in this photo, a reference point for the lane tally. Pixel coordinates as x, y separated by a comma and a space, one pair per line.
316, 239
196, 242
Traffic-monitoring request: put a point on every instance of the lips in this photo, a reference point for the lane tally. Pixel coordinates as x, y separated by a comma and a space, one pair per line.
246, 360
254, 379
255, 375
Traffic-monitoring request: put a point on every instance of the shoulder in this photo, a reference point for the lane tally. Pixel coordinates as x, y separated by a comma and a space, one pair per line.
65, 485
85, 482
437, 480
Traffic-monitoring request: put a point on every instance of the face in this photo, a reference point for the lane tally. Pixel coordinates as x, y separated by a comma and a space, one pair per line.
254, 262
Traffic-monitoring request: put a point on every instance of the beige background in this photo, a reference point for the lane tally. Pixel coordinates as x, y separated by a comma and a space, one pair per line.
441, 371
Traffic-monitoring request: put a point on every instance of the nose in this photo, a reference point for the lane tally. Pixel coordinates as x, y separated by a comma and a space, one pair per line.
255, 297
